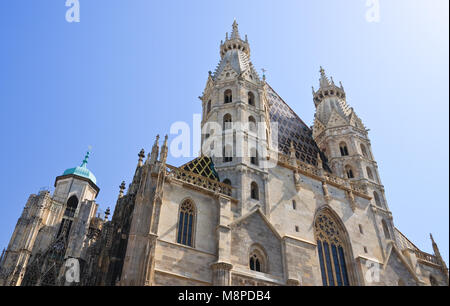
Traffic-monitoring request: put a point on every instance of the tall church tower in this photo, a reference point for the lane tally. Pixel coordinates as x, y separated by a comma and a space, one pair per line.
51, 229
235, 125
342, 136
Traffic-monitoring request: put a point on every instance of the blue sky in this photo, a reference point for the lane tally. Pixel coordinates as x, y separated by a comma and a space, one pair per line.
130, 69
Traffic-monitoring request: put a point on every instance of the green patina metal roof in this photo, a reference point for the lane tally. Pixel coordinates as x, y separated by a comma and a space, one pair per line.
82, 170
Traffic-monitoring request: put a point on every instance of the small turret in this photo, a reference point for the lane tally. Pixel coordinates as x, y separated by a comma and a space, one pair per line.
234, 42
327, 89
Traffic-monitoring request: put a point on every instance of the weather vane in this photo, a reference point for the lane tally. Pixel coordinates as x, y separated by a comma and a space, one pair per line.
264, 73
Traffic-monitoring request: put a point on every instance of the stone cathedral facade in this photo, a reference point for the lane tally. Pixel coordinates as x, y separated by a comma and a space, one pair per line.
269, 201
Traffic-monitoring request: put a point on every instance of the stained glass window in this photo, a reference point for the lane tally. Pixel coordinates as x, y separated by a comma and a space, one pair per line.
330, 247
186, 223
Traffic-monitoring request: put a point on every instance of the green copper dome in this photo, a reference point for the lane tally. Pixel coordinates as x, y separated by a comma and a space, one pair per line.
82, 171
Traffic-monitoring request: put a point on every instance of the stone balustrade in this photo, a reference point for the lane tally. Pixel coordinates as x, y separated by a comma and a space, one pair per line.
426, 257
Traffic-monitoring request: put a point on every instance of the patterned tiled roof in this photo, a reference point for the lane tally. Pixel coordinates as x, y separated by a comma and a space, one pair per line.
404, 242
292, 129
202, 166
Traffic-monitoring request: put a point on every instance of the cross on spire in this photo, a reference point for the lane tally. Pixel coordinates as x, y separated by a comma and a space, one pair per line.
85, 160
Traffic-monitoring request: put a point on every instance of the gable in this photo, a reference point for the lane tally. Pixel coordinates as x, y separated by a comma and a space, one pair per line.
336, 120
254, 229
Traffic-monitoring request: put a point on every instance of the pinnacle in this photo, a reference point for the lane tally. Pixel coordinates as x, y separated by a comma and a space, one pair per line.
235, 32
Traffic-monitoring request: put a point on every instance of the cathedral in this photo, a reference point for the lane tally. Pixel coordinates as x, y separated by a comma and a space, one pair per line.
268, 202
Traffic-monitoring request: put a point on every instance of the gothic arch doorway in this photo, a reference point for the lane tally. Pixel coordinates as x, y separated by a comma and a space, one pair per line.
333, 249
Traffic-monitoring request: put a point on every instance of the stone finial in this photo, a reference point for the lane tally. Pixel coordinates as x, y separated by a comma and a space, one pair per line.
324, 82
107, 213
141, 156
319, 161
439, 257
292, 149
235, 32
155, 151
164, 150
121, 189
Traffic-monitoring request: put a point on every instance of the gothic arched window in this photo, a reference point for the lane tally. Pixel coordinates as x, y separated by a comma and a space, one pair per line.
186, 223
349, 172
69, 214
227, 181
257, 260
71, 207
343, 148
251, 98
227, 154
254, 157
387, 235
208, 107
369, 173
228, 96
332, 249
376, 197
254, 191
227, 120
364, 151
251, 124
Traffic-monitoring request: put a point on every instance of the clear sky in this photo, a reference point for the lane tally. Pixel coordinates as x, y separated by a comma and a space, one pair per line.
129, 69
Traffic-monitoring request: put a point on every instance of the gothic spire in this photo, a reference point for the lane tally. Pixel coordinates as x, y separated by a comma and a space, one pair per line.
324, 82
438, 254
327, 88
164, 150
234, 42
235, 31
155, 151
